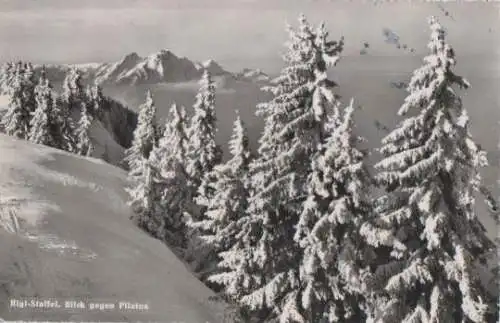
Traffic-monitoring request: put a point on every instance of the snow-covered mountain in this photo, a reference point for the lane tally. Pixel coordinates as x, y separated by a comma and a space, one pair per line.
157, 68
212, 66
160, 67
165, 67
254, 75
115, 71
65, 234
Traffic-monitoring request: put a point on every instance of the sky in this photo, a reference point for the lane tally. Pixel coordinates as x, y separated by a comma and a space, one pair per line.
236, 33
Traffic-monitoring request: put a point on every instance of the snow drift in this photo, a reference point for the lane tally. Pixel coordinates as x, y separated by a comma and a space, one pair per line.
65, 234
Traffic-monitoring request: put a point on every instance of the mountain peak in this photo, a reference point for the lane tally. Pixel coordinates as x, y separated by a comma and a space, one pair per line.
211, 66
129, 60
209, 62
164, 53
109, 72
256, 75
132, 56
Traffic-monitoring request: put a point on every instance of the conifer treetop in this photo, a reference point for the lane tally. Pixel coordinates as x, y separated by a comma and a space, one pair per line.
302, 87
204, 153
144, 133
239, 146
73, 86
205, 105
174, 139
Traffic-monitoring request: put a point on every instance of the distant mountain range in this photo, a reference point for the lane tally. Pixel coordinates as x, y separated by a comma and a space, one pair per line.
161, 67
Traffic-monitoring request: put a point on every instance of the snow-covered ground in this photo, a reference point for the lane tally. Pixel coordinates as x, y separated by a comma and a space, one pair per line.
4, 101
65, 233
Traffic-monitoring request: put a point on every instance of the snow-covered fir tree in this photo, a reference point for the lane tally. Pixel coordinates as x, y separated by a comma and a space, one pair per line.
143, 191
430, 169
334, 264
203, 151
160, 128
171, 179
96, 100
15, 121
144, 134
68, 107
218, 227
268, 262
73, 89
62, 126
84, 144
29, 88
41, 124
7, 75
144, 196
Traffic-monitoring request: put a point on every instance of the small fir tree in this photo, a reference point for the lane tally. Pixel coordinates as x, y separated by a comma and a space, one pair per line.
144, 196
84, 145
40, 124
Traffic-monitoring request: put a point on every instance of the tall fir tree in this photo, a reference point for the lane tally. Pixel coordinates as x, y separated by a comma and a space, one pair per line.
203, 151
144, 134
268, 270
142, 171
172, 180
218, 227
335, 260
41, 124
430, 169
84, 145
16, 120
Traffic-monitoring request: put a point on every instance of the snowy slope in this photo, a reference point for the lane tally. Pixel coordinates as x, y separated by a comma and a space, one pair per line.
105, 147
65, 233
4, 102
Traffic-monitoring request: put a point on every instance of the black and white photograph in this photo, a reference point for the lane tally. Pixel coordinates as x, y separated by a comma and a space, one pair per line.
249, 161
